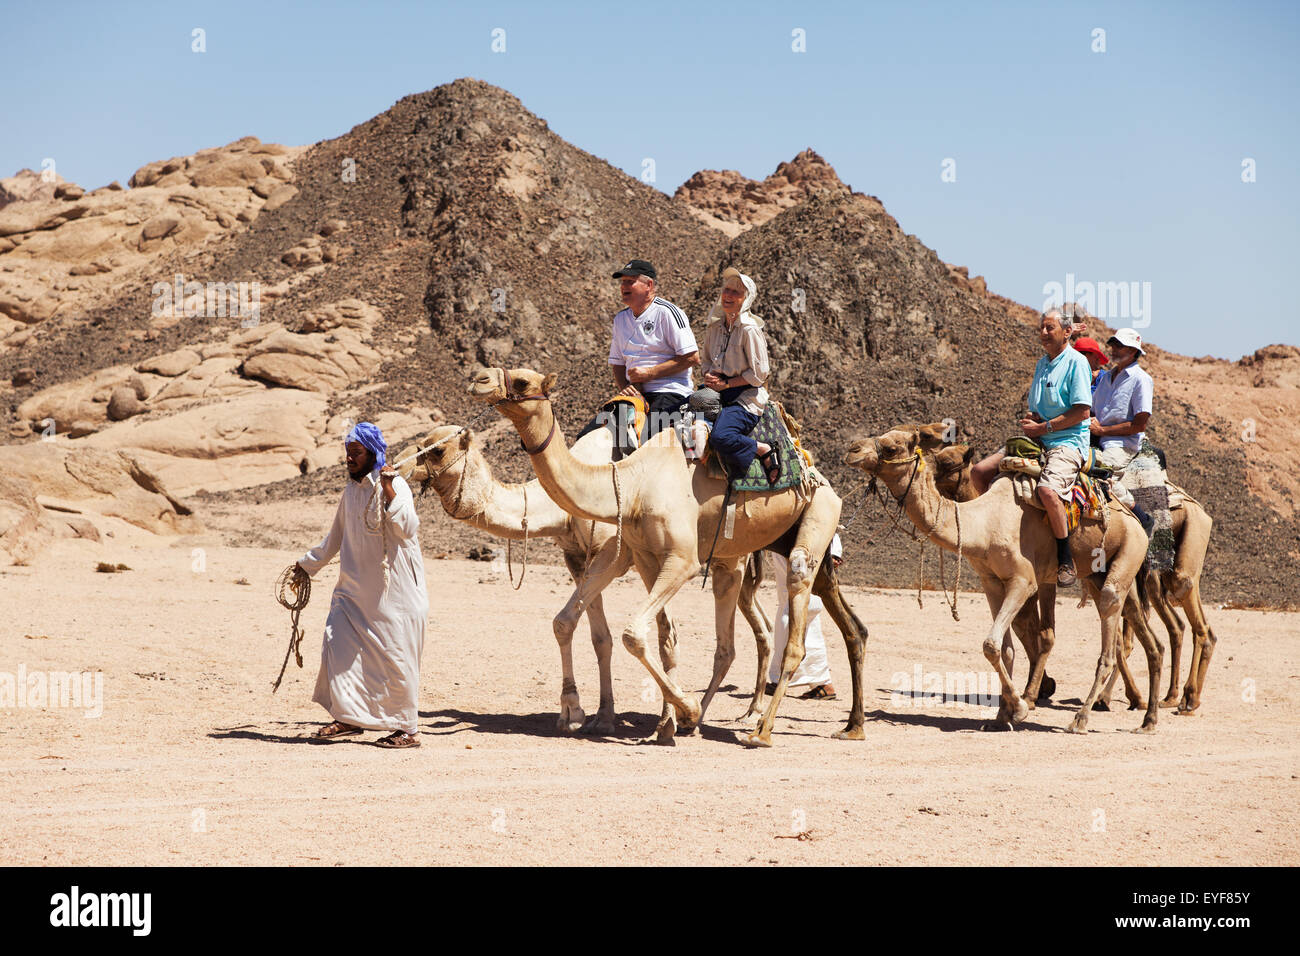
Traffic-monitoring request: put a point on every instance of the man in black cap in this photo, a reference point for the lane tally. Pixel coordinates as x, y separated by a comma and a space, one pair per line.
653, 349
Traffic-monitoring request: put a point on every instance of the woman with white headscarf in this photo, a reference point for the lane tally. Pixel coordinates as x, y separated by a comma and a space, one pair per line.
734, 364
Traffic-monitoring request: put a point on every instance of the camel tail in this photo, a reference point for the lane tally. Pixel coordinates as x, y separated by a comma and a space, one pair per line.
754, 567
1144, 598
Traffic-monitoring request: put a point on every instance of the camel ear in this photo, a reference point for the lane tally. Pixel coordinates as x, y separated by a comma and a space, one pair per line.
931, 436
970, 453
466, 436
548, 383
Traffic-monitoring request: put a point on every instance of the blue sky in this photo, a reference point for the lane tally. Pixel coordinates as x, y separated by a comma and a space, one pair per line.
1122, 166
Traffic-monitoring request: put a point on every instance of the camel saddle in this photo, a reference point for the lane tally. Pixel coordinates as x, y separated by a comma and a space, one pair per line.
771, 429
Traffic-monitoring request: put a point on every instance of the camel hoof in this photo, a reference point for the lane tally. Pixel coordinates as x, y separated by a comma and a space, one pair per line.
756, 740
1021, 711
1169, 702
1077, 726
996, 726
570, 721
1185, 711
689, 716
850, 733
1138, 704
598, 727
1146, 728
1101, 706
1047, 688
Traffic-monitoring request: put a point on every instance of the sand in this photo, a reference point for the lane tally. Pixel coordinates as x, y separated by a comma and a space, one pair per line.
193, 761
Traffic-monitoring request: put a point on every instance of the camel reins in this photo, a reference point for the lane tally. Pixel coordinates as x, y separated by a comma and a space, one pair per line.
901, 500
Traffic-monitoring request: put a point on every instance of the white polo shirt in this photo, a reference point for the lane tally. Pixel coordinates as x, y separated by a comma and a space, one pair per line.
659, 334
1121, 398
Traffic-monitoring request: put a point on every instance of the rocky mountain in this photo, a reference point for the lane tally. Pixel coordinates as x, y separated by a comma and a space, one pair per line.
218, 324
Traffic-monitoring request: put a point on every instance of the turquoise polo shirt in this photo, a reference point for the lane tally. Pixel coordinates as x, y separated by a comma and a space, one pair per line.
1059, 385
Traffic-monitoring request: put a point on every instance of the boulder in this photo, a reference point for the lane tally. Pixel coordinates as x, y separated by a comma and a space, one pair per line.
161, 225
123, 404
170, 364
279, 196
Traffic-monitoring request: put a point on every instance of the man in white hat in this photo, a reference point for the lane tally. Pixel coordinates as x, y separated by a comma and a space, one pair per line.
1121, 403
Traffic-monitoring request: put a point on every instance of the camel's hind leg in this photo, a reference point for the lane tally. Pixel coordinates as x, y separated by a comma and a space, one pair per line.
673, 573
1035, 625
727, 574
604, 568
760, 625
1108, 609
827, 587
1135, 616
1202, 649
812, 542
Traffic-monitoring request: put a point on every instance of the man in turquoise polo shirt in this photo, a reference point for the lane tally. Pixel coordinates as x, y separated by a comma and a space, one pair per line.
1060, 400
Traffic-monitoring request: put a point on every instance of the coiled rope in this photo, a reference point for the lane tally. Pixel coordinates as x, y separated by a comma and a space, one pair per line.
292, 591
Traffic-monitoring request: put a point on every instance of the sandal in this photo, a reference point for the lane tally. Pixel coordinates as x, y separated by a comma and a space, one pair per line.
336, 730
771, 465
397, 740
820, 692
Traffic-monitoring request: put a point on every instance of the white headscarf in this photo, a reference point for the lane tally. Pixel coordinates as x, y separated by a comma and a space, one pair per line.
751, 291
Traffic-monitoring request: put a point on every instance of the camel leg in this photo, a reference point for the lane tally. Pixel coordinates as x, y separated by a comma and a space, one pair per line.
673, 573
1202, 649
1027, 628
762, 628
1122, 670
727, 575
1157, 588
1108, 609
800, 589
603, 569
602, 641
1005, 600
1040, 611
813, 540
827, 587
1133, 615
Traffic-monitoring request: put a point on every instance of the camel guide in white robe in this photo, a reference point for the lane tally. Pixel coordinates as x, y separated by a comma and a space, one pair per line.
370, 660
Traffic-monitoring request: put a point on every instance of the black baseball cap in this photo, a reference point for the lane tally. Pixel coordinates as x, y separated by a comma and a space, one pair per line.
637, 267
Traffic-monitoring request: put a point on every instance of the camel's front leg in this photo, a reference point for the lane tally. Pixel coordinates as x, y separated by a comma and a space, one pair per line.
826, 586
675, 571
727, 576
1015, 592
604, 568
760, 625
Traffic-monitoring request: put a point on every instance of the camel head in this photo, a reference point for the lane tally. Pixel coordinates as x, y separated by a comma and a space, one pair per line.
952, 472
447, 454
897, 448
503, 386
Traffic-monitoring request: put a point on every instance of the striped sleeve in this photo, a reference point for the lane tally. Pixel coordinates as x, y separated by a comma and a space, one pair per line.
677, 329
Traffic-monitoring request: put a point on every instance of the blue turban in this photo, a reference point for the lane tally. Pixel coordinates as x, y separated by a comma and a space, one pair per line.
372, 438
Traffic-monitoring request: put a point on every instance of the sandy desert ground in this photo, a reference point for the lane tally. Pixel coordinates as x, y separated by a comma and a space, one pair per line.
193, 761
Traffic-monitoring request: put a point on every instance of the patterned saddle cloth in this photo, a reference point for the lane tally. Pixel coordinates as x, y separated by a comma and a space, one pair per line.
771, 429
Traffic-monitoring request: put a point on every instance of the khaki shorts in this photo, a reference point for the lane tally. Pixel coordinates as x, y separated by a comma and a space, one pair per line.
1060, 469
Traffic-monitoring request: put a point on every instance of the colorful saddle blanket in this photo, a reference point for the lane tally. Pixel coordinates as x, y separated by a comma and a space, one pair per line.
792, 459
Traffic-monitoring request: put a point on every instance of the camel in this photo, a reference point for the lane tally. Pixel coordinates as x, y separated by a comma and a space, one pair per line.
1013, 552
463, 480
669, 514
1182, 585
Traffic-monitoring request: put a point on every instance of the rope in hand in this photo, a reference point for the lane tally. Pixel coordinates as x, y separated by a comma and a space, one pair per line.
292, 591
510, 541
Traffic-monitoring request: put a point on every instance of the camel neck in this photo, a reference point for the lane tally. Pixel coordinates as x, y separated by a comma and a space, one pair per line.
582, 490
500, 509
933, 515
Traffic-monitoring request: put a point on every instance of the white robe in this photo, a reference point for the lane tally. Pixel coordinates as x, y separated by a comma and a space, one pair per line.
370, 658
815, 669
